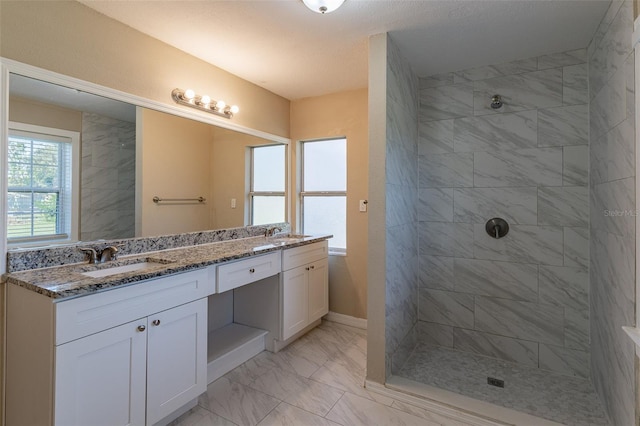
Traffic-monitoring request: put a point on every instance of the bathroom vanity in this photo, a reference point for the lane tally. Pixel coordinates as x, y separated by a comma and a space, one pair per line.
136, 341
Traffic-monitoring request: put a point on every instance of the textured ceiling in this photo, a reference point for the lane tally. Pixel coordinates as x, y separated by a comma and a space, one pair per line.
289, 50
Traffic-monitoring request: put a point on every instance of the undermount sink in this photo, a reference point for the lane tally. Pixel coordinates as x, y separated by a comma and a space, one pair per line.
140, 265
287, 238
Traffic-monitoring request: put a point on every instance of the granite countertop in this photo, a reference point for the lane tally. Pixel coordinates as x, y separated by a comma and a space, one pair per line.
67, 281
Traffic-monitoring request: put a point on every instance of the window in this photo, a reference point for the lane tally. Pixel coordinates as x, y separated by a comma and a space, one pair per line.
42, 174
268, 183
323, 195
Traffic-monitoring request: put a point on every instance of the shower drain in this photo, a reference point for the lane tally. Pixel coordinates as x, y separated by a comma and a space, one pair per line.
495, 382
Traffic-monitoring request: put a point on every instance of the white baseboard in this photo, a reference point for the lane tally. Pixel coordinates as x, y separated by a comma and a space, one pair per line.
346, 320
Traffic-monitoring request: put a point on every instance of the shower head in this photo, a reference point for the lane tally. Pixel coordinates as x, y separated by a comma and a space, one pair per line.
496, 102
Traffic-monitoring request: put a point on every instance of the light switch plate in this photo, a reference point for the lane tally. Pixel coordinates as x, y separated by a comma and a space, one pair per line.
233, 203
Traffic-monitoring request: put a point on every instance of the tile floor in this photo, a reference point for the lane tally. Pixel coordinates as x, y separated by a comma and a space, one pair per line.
563, 399
317, 380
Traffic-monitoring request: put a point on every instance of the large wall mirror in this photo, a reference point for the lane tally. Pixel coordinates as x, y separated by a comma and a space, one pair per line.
83, 167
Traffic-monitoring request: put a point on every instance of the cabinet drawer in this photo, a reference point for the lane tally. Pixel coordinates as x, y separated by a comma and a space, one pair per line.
236, 274
90, 314
298, 256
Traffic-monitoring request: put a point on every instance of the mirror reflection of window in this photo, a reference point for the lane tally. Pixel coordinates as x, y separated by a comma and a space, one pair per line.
323, 196
268, 182
42, 184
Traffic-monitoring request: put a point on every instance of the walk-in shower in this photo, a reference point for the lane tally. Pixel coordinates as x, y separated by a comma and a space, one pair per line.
531, 319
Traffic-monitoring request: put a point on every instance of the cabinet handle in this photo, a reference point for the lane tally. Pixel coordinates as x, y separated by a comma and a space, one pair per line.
252, 270
155, 322
307, 268
142, 328
312, 267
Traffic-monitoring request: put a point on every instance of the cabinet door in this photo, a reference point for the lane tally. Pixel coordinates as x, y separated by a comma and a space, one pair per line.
100, 379
318, 289
177, 358
295, 307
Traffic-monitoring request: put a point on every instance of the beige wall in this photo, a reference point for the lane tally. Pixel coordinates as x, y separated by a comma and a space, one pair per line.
173, 162
46, 115
72, 39
376, 266
341, 114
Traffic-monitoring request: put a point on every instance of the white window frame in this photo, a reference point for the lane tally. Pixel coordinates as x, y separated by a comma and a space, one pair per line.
336, 251
251, 194
74, 137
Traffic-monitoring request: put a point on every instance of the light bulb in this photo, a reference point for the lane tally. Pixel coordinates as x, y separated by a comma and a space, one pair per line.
234, 109
205, 100
220, 105
189, 94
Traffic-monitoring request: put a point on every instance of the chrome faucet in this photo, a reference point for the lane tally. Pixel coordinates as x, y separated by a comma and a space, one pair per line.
108, 254
270, 232
93, 255
101, 256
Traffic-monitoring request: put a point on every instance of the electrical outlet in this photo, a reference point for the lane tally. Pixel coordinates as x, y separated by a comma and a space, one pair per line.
363, 205
233, 203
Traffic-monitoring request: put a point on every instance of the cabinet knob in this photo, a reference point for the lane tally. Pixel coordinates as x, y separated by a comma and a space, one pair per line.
252, 270
155, 322
312, 267
142, 328
307, 268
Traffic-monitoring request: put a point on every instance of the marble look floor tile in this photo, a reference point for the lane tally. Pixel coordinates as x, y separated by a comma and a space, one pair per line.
341, 377
239, 403
251, 370
295, 360
568, 400
288, 415
358, 411
198, 416
309, 395
427, 415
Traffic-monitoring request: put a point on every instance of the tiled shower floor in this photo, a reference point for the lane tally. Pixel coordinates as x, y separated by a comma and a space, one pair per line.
563, 399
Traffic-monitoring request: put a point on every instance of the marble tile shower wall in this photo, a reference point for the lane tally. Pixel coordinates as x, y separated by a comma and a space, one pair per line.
523, 298
108, 178
612, 203
401, 172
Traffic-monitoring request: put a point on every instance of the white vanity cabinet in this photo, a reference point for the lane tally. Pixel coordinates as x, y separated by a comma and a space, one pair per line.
305, 287
128, 356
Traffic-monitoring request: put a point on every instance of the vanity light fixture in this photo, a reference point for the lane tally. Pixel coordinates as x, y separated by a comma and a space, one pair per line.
323, 6
204, 103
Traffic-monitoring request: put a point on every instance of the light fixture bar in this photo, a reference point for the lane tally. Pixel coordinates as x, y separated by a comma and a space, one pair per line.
203, 103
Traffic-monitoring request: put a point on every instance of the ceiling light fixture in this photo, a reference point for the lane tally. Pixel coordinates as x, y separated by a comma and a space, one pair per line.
203, 103
323, 6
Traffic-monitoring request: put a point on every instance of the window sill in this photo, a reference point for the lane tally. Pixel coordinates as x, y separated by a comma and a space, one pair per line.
337, 253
